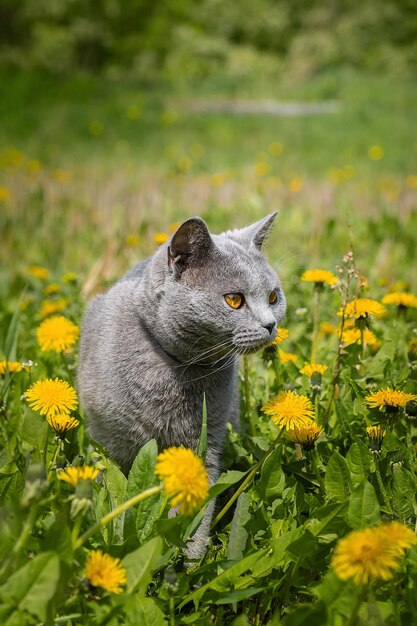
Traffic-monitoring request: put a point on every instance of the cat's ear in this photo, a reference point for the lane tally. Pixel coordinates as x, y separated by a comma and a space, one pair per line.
190, 245
255, 234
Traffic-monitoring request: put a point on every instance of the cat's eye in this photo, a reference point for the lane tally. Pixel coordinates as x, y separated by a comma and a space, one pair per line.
273, 297
235, 300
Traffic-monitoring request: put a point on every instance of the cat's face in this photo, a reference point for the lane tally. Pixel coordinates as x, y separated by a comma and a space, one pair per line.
220, 296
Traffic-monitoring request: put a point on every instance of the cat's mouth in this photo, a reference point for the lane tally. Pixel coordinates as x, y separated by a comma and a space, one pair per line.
248, 345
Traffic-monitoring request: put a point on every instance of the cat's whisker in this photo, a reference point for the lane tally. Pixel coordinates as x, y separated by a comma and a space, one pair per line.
212, 351
227, 345
230, 359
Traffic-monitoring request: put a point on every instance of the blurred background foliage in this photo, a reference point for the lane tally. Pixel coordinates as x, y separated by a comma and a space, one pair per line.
120, 119
169, 39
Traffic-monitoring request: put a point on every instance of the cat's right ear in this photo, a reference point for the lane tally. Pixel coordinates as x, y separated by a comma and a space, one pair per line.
190, 245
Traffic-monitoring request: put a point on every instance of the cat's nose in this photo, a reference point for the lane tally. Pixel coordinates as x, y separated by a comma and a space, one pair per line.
269, 327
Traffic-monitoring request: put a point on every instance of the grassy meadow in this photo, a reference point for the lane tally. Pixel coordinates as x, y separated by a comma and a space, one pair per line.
94, 175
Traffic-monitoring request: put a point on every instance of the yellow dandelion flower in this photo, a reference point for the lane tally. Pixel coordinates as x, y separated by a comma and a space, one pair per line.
306, 435
327, 329
61, 422
289, 410
51, 307
184, 163
103, 570
295, 185
5, 194
411, 181
51, 397
400, 299
310, 369
38, 272
319, 277
286, 357
353, 335
376, 153
398, 536
73, 475
69, 277
132, 240
282, 335
160, 238
51, 289
261, 169
185, 478
218, 179
276, 148
57, 333
390, 398
10, 366
364, 556
363, 307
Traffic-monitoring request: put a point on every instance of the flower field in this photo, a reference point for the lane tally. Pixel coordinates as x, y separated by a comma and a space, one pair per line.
316, 508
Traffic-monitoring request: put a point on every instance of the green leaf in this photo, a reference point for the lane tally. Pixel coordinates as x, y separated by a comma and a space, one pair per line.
337, 478
10, 342
142, 476
238, 534
139, 565
303, 547
359, 460
113, 494
202, 442
363, 506
143, 611
272, 480
229, 597
33, 585
403, 493
226, 578
224, 481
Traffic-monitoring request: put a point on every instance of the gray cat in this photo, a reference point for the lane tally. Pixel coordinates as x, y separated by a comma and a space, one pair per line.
172, 330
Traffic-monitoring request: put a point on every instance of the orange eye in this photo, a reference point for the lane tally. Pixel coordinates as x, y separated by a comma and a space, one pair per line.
234, 300
273, 297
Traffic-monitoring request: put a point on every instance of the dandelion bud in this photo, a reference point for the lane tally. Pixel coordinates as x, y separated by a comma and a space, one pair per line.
411, 409
35, 483
170, 580
376, 436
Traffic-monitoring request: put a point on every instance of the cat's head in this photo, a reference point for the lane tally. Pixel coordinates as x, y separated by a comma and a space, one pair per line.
216, 294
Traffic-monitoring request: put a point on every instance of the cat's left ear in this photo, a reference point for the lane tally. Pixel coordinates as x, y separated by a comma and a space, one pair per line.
190, 245
255, 234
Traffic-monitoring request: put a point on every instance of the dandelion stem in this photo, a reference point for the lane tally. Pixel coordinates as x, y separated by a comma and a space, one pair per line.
76, 529
247, 480
172, 611
276, 364
57, 451
314, 457
316, 315
354, 615
246, 387
117, 511
381, 487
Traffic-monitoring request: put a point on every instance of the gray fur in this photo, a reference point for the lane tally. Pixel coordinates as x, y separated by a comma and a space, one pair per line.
163, 336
